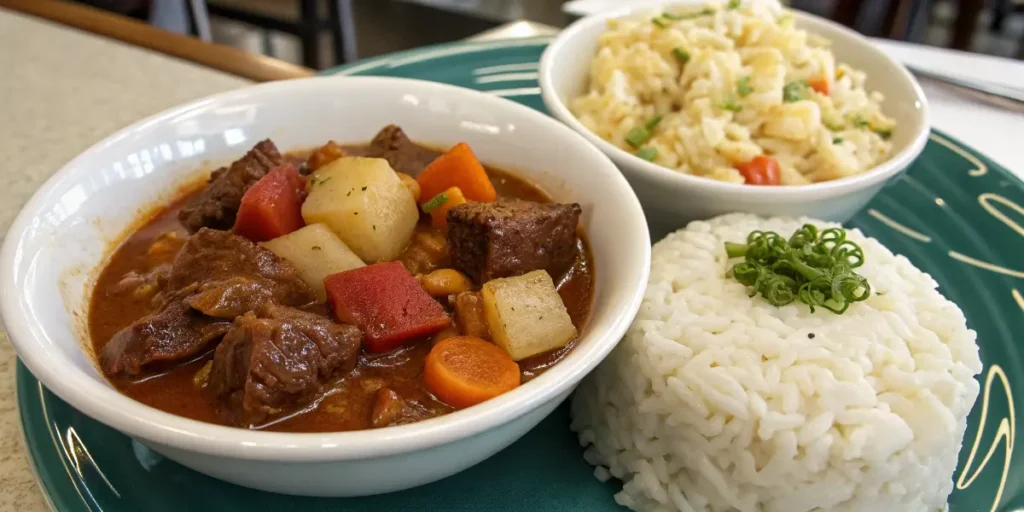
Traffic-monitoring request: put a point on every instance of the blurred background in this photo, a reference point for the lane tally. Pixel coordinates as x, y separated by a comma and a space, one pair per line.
324, 33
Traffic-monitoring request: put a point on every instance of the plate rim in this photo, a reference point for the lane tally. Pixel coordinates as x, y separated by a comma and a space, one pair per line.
56, 489
424, 53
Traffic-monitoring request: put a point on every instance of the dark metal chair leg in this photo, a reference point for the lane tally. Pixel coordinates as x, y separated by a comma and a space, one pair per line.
343, 31
1000, 9
266, 44
846, 11
308, 32
897, 19
967, 15
199, 19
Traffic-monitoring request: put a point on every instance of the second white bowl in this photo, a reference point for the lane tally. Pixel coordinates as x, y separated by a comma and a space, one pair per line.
670, 198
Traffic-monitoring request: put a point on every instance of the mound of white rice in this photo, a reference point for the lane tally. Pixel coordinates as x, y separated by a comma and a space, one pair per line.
726, 104
716, 401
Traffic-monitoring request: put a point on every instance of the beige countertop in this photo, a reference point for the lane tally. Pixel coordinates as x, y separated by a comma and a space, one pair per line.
62, 90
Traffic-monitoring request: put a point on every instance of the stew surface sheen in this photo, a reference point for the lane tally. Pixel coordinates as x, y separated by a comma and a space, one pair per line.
346, 402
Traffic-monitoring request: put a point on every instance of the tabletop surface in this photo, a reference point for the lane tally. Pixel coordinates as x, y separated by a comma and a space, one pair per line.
63, 90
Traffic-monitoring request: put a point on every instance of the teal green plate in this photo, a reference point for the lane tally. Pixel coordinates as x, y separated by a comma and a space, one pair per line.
955, 214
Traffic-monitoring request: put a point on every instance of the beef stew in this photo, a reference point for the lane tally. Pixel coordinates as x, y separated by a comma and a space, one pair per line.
219, 311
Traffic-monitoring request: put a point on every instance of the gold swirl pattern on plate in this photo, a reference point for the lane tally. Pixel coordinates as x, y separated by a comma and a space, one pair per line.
991, 267
986, 201
980, 169
987, 198
898, 227
1006, 431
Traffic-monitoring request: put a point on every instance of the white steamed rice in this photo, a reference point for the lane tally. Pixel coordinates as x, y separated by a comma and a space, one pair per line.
716, 401
636, 75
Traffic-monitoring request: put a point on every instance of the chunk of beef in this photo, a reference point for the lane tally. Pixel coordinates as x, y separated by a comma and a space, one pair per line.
216, 205
510, 238
389, 408
176, 333
215, 277
225, 275
275, 360
393, 145
232, 297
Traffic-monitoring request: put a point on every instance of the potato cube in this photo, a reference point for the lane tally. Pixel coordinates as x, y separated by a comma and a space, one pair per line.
365, 203
526, 315
315, 252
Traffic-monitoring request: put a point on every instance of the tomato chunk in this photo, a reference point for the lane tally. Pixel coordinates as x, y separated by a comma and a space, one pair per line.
820, 85
387, 303
762, 170
273, 206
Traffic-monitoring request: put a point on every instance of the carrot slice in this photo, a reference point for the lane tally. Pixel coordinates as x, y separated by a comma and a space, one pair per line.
440, 204
457, 168
820, 85
762, 170
464, 371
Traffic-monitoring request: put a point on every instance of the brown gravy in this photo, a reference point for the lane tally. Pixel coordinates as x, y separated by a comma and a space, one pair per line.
346, 402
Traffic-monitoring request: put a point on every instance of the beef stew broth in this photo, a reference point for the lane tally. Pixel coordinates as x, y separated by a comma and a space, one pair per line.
124, 293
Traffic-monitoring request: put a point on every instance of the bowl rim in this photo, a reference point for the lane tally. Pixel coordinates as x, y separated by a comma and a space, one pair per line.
101, 401
667, 177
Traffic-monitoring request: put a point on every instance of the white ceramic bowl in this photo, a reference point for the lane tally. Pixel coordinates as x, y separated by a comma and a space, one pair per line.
671, 198
62, 237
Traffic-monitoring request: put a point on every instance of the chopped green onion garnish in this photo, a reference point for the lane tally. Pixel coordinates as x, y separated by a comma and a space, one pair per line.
833, 126
689, 16
730, 105
735, 4
735, 250
681, 56
794, 91
647, 153
814, 269
652, 122
837, 140
743, 87
882, 132
435, 202
637, 136
659, 21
